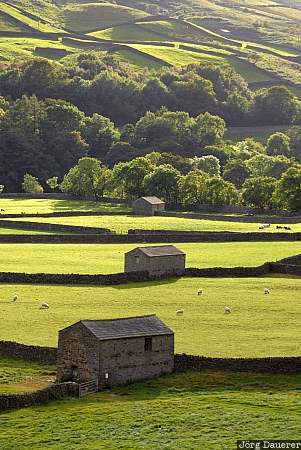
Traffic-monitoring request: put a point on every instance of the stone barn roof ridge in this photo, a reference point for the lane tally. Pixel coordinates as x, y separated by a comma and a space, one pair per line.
125, 327
153, 200
159, 250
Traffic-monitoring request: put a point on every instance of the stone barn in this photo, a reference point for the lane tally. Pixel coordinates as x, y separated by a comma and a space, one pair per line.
115, 351
148, 206
157, 260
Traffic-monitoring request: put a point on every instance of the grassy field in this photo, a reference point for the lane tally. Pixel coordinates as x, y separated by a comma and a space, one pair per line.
122, 224
176, 56
191, 411
34, 24
17, 376
127, 33
140, 61
259, 325
17, 231
22, 48
90, 16
108, 258
32, 206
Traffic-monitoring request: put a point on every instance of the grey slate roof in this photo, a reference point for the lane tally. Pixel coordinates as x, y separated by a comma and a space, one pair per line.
153, 200
161, 250
127, 327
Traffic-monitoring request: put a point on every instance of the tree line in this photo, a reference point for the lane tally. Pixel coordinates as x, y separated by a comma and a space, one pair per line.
101, 83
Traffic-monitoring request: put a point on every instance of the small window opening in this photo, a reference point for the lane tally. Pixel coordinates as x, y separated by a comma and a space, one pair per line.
137, 259
148, 344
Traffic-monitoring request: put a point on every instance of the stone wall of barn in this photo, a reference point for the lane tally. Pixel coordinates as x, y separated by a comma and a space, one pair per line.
77, 350
167, 265
126, 360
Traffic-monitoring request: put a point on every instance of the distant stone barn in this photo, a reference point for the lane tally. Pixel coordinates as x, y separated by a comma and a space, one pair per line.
116, 351
148, 206
156, 260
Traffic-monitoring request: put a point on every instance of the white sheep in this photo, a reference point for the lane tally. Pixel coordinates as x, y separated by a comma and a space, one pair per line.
44, 306
179, 312
228, 310
200, 291
266, 291
15, 298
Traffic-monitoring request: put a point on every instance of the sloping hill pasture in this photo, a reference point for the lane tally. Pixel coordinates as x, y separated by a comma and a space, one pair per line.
34, 24
90, 16
191, 411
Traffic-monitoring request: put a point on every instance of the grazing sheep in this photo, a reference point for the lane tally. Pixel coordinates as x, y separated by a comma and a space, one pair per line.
279, 227
44, 306
228, 310
200, 291
287, 228
15, 298
179, 312
266, 291
261, 227
2, 210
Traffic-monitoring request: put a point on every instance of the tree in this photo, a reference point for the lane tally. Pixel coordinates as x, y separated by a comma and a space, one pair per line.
278, 144
207, 130
209, 164
258, 191
131, 175
236, 172
1, 188
100, 134
163, 182
294, 134
88, 179
52, 183
220, 192
275, 106
31, 185
268, 166
192, 187
288, 189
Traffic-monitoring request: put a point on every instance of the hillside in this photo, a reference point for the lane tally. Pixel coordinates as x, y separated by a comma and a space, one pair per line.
259, 40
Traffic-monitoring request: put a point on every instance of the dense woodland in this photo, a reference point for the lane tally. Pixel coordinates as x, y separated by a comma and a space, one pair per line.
146, 132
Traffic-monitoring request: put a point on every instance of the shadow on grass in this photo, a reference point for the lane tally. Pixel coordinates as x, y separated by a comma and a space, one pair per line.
143, 284
206, 382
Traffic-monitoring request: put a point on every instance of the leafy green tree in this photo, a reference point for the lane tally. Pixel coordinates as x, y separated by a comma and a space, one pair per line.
100, 134
288, 189
268, 166
258, 192
209, 164
1, 188
278, 144
31, 185
164, 183
194, 94
294, 134
207, 130
131, 176
220, 192
192, 187
88, 179
236, 172
276, 106
52, 183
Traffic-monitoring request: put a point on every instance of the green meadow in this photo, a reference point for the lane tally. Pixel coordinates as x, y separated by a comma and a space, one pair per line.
260, 325
108, 258
33, 206
123, 223
17, 376
191, 411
